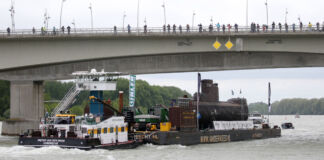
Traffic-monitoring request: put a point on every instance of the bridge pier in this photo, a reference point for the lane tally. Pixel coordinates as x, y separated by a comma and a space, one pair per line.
26, 107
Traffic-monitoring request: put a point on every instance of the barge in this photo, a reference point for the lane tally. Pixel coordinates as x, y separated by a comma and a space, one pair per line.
188, 121
217, 121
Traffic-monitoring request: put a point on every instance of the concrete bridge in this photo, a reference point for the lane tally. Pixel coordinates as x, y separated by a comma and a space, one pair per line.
28, 59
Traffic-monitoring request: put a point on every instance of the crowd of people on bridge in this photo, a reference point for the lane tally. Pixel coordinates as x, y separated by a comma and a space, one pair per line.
44, 31
168, 29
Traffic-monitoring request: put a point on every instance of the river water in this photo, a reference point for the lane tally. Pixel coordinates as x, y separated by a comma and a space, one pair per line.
305, 142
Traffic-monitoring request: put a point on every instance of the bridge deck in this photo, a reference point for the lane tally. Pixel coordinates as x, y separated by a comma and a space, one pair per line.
110, 32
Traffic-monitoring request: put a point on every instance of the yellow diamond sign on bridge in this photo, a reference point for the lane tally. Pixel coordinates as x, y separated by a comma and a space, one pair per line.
217, 45
229, 44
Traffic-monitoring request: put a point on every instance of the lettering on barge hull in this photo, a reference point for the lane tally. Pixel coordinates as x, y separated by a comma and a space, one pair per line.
215, 139
51, 141
257, 135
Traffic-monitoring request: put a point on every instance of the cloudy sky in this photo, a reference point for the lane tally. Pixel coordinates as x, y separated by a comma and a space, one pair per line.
286, 83
107, 13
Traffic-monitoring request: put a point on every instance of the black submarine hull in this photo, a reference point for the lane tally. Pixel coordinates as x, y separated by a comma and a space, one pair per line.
204, 137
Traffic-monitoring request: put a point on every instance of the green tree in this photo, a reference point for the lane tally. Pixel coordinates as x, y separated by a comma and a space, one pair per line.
4, 99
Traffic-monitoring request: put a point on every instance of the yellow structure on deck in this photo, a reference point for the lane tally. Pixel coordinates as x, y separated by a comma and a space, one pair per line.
71, 116
165, 126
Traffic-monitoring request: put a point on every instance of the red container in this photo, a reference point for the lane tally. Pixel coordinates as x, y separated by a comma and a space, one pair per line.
174, 116
188, 117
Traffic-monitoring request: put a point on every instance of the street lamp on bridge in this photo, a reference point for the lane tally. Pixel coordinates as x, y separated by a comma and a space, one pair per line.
12, 14
266, 4
124, 16
138, 7
46, 19
61, 13
164, 12
73, 23
247, 12
193, 19
90, 7
211, 20
286, 15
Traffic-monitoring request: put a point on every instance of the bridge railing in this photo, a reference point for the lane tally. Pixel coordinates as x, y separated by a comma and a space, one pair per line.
161, 31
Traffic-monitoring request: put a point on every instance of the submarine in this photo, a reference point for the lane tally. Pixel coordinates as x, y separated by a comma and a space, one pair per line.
218, 121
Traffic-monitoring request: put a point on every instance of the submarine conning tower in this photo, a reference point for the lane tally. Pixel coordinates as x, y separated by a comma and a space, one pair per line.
209, 91
212, 109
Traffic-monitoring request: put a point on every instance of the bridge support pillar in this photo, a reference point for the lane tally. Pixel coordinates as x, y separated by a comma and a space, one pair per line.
26, 107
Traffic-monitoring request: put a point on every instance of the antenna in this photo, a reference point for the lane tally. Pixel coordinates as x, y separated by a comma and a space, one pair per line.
12, 14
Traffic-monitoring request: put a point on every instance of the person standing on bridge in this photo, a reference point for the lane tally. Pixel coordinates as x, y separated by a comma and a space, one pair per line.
62, 29
43, 30
318, 26
310, 25
164, 28
200, 28
210, 28
218, 27
273, 26
252, 27
115, 30
229, 27
169, 28
323, 26
34, 30
145, 28
128, 29
68, 29
264, 28
258, 28
294, 27
286, 27
301, 26
54, 31
223, 28
280, 26
174, 28
8, 31
188, 28
236, 27
180, 29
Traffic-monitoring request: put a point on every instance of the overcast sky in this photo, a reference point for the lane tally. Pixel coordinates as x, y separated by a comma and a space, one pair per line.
107, 13
286, 83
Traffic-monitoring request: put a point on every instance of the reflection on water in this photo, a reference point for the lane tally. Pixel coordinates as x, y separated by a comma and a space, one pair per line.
306, 141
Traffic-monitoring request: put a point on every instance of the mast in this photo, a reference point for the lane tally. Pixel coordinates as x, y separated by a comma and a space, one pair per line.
269, 99
198, 94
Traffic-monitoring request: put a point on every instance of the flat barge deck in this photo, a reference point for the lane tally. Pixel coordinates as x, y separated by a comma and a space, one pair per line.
202, 137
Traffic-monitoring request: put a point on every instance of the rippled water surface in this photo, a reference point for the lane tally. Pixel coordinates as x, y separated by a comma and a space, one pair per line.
305, 142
